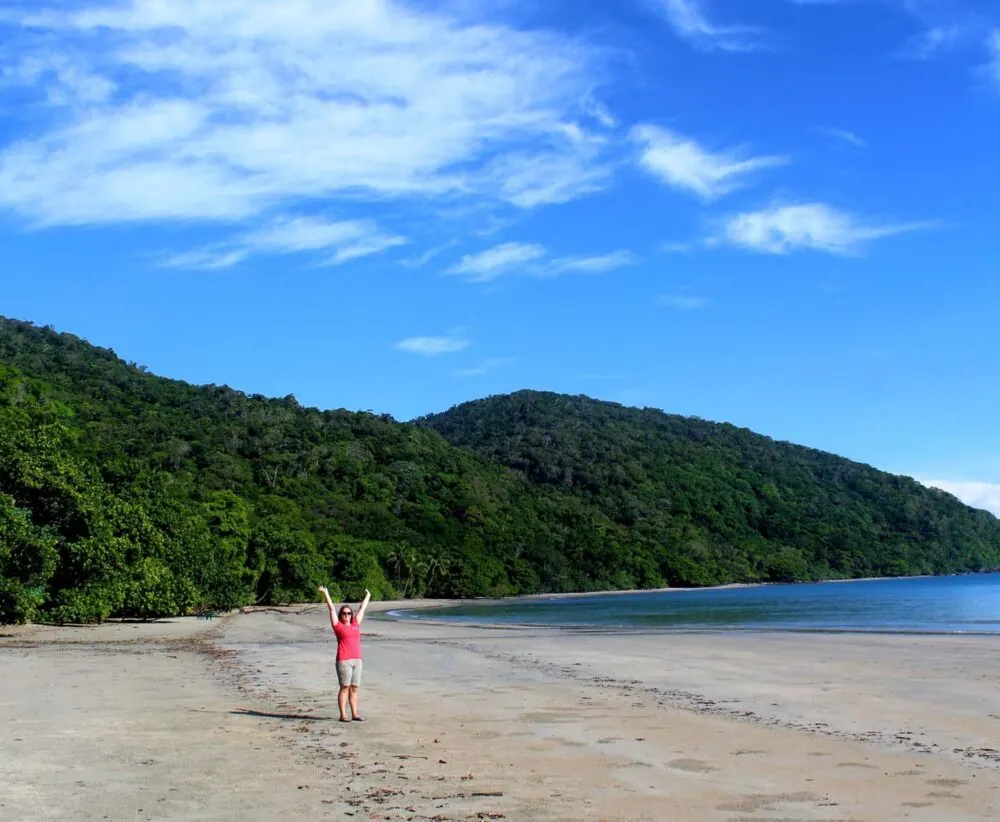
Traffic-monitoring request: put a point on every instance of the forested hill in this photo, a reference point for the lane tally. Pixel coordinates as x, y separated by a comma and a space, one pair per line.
712, 502
123, 493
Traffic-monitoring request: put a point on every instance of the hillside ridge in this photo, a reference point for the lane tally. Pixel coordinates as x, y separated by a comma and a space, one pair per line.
125, 493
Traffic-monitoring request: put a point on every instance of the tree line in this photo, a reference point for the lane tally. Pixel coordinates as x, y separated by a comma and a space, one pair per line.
127, 494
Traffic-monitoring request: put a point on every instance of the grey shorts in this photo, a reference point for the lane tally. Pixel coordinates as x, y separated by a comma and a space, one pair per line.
349, 672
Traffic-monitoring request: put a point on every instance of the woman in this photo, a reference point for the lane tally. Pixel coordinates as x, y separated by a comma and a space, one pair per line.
347, 627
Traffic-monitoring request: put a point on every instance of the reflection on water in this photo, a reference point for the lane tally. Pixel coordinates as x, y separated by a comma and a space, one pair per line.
963, 604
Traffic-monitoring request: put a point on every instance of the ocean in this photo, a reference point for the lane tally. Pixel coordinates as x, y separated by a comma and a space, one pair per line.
968, 604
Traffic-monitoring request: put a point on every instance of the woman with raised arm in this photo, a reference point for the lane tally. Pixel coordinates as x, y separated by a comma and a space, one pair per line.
347, 626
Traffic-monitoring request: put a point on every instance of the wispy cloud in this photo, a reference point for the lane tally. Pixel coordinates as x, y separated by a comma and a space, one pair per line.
206, 259
931, 42
972, 492
346, 239
682, 163
531, 258
63, 81
682, 302
290, 234
690, 22
485, 367
223, 111
946, 24
596, 264
846, 136
814, 226
422, 259
993, 67
433, 346
494, 262
529, 180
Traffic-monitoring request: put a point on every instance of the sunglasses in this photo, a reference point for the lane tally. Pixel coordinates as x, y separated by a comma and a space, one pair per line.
346, 613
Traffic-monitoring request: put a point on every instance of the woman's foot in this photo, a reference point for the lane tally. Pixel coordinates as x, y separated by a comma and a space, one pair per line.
359, 719
344, 719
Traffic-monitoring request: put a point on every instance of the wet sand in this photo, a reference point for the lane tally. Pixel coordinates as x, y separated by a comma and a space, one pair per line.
237, 719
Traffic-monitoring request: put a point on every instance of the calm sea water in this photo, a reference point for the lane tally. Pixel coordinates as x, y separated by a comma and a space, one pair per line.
963, 604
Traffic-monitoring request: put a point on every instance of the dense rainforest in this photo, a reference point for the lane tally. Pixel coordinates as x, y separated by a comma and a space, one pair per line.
127, 494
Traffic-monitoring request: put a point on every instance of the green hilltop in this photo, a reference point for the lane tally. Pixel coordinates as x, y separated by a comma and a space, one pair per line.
123, 493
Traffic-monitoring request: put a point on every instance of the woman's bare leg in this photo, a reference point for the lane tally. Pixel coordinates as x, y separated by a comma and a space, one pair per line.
354, 701
342, 701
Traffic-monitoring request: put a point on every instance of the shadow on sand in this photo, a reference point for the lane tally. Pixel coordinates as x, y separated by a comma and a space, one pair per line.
266, 715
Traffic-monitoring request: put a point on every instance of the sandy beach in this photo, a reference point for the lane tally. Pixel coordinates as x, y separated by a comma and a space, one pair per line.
235, 719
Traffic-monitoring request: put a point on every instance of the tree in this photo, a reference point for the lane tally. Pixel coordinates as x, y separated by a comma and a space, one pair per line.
28, 558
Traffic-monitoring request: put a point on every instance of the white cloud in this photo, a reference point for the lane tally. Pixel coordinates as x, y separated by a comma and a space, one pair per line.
813, 226
307, 234
847, 136
494, 262
682, 302
487, 365
529, 180
221, 110
682, 163
61, 79
600, 113
929, 43
206, 259
993, 67
595, 264
534, 259
945, 24
433, 346
350, 239
347, 239
688, 20
977, 494
422, 259
362, 248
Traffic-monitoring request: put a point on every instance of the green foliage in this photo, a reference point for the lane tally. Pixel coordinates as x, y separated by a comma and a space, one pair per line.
27, 561
785, 565
357, 565
125, 494
151, 591
701, 503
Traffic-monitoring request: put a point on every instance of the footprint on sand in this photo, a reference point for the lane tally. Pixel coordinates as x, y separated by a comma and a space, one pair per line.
691, 765
947, 783
754, 802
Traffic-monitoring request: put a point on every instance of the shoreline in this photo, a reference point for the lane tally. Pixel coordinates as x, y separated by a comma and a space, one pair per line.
410, 611
665, 590
381, 606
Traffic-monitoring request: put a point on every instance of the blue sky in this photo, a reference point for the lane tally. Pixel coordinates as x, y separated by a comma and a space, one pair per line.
777, 213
